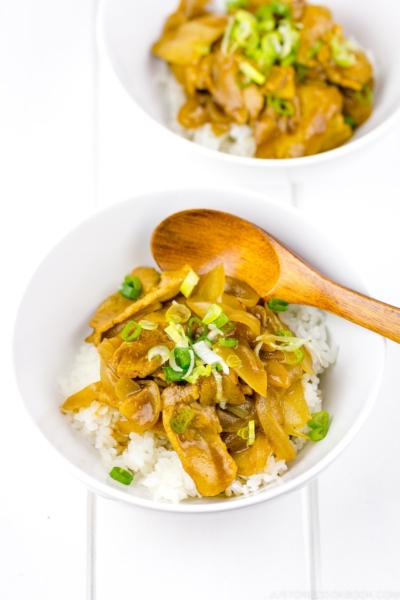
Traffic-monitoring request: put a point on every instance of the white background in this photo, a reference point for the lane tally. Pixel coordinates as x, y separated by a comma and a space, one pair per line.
72, 141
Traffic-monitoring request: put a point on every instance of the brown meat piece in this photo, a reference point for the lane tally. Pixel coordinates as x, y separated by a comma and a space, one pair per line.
224, 88
317, 23
281, 82
180, 46
319, 104
142, 408
203, 454
113, 311
130, 360
359, 111
354, 77
253, 100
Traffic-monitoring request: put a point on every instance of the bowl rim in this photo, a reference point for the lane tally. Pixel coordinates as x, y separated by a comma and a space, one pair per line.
275, 490
106, 52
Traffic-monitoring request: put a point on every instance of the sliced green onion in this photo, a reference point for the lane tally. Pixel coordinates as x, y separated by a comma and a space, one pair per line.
280, 8
264, 13
127, 334
204, 352
252, 433
242, 82
301, 72
218, 367
228, 342
244, 16
299, 354
233, 361
183, 357
148, 325
172, 375
180, 424
278, 305
282, 107
190, 327
162, 351
341, 53
131, 288
178, 313
284, 333
235, 4
221, 321
350, 121
252, 73
121, 475
212, 314
189, 283
319, 424
177, 334
199, 371
366, 96
227, 328
313, 51
243, 433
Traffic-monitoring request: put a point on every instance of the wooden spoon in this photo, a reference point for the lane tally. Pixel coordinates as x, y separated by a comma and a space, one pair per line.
204, 238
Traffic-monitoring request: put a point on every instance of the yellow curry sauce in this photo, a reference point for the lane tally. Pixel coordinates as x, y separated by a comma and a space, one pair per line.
282, 67
203, 362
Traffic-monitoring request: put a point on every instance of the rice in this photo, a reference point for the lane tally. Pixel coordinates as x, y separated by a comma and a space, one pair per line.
158, 471
238, 141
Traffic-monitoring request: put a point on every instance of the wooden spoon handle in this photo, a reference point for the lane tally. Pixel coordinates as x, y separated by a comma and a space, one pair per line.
362, 310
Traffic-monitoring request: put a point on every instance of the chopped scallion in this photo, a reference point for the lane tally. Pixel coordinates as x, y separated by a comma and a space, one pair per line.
178, 313
252, 73
228, 342
131, 331
148, 325
278, 305
121, 475
180, 424
131, 288
282, 107
319, 424
212, 314
233, 361
252, 433
366, 96
313, 51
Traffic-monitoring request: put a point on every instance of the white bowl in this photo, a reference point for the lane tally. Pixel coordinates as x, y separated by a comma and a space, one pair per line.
82, 270
127, 32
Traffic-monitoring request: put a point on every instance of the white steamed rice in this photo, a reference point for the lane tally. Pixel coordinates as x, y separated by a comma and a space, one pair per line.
158, 469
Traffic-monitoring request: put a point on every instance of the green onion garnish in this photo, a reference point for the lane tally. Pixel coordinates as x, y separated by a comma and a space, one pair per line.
148, 325
227, 328
282, 107
278, 305
301, 72
131, 288
350, 121
248, 433
341, 53
161, 351
233, 361
252, 433
280, 8
126, 334
172, 375
180, 424
313, 51
252, 73
121, 475
284, 333
241, 81
299, 354
228, 342
183, 357
191, 329
366, 95
221, 321
236, 4
212, 314
319, 424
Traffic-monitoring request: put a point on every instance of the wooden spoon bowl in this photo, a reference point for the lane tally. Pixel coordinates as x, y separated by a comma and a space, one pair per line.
204, 238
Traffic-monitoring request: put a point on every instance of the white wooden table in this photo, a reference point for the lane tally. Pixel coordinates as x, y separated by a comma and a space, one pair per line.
72, 141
